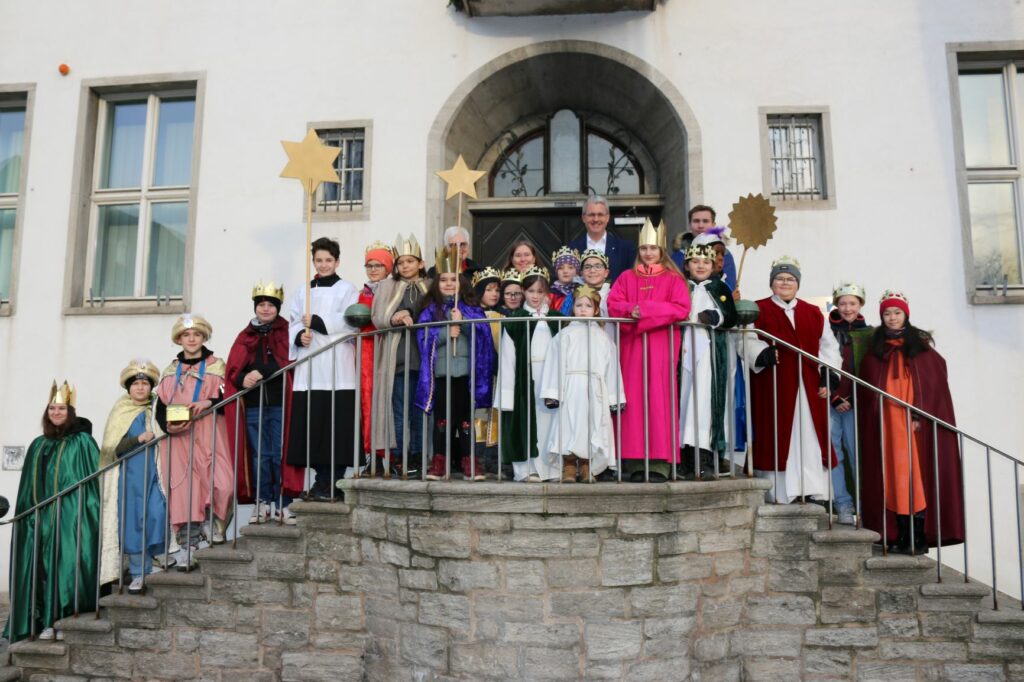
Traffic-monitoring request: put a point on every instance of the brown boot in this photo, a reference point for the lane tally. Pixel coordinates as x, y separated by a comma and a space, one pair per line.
584, 470
569, 469
436, 470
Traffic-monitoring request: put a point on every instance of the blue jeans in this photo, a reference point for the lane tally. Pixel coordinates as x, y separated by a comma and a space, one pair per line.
267, 468
135, 565
399, 408
843, 437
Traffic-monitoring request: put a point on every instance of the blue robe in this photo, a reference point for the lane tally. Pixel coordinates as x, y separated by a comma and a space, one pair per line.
133, 485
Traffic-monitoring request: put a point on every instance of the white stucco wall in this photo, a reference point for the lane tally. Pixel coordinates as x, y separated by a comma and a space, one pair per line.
879, 66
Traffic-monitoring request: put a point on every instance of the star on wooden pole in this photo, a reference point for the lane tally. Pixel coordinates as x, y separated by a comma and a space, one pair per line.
311, 163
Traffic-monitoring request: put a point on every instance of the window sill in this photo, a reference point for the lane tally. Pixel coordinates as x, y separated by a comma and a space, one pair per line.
127, 308
340, 216
803, 204
988, 298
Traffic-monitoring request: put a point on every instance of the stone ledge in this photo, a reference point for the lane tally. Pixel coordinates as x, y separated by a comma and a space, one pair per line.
845, 536
1001, 616
777, 510
9, 674
898, 563
129, 601
176, 579
39, 648
223, 554
271, 530
955, 590
84, 624
339, 508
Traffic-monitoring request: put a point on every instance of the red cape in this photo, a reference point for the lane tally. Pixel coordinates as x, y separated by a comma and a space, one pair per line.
931, 394
366, 375
241, 356
807, 337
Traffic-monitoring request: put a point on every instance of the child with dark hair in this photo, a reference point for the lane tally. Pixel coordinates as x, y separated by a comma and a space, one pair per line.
446, 353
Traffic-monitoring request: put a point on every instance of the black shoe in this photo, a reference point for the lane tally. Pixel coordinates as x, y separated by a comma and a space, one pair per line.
637, 476
607, 476
901, 545
920, 540
657, 477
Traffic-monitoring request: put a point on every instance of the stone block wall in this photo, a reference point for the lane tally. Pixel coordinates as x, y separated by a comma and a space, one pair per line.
483, 581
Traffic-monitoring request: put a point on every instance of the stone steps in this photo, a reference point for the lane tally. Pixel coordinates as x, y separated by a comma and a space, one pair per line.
9, 673
39, 655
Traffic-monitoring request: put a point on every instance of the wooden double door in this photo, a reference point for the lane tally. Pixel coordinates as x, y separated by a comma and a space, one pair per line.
494, 232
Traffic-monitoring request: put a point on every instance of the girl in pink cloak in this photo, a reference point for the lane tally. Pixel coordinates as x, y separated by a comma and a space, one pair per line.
655, 295
196, 453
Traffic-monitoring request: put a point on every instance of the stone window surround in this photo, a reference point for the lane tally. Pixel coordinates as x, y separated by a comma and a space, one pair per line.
954, 53
828, 181
362, 213
75, 301
27, 92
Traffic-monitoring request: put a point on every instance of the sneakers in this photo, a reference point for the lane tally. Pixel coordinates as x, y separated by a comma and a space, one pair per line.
846, 516
217, 538
48, 634
60, 635
137, 586
285, 516
437, 469
260, 512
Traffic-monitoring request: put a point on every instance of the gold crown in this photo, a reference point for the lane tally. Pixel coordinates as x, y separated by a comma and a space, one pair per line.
594, 253
589, 292
890, 294
447, 260
512, 275
653, 236
537, 271
64, 395
140, 367
375, 245
486, 273
786, 260
849, 289
701, 251
565, 252
407, 247
270, 290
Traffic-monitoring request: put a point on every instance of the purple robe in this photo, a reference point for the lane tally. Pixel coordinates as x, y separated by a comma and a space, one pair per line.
483, 360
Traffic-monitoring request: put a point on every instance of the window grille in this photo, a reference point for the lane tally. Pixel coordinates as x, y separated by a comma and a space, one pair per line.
795, 157
347, 195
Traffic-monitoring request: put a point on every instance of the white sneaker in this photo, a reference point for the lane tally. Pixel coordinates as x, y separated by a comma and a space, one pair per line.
47, 634
60, 635
260, 512
137, 586
218, 532
287, 517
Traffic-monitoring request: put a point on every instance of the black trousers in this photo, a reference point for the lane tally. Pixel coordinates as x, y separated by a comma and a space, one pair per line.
316, 408
457, 426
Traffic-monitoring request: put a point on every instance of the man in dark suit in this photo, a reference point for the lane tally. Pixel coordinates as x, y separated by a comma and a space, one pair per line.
621, 253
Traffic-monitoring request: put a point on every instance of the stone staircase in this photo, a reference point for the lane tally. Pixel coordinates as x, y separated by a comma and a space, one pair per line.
426, 581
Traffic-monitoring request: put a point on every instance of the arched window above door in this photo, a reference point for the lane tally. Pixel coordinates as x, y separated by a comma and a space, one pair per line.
566, 156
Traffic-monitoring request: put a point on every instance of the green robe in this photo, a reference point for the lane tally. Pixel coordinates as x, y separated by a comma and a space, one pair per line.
51, 466
516, 444
721, 294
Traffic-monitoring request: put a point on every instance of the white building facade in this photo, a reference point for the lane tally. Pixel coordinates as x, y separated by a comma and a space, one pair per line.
144, 182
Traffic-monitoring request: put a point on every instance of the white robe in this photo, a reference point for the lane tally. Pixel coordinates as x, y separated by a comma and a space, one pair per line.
695, 406
545, 466
329, 303
804, 450
586, 384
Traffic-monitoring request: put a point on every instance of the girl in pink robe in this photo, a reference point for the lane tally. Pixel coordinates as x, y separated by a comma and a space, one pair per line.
195, 379
656, 296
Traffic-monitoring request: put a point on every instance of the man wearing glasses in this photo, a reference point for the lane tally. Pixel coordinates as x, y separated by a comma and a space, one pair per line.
620, 253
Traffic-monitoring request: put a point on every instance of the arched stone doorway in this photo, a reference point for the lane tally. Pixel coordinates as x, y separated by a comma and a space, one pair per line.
523, 88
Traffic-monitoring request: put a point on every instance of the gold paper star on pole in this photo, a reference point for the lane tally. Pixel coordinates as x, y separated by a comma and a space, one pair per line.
461, 179
310, 162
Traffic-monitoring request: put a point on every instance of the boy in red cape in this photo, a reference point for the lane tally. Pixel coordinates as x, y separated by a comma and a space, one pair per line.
260, 350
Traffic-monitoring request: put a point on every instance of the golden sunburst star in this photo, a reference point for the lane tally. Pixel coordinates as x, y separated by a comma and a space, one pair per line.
461, 179
310, 162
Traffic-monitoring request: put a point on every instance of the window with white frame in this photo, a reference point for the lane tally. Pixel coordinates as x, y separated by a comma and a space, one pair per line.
141, 185
12, 142
992, 120
796, 157
347, 195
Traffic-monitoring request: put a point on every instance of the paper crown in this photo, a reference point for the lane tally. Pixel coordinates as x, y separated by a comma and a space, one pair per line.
706, 251
589, 292
407, 247
849, 289
892, 295
485, 274
512, 275
63, 395
446, 260
654, 236
190, 321
378, 246
268, 290
537, 271
594, 253
786, 260
565, 253
140, 368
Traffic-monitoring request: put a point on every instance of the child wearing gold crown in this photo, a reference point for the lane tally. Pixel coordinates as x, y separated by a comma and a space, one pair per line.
706, 365
486, 288
511, 289
655, 295
56, 461
259, 351
567, 266
137, 511
396, 303
922, 495
525, 419
196, 459
582, 381
444, 390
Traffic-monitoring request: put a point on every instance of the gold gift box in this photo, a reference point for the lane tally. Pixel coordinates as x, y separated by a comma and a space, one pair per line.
178, 413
